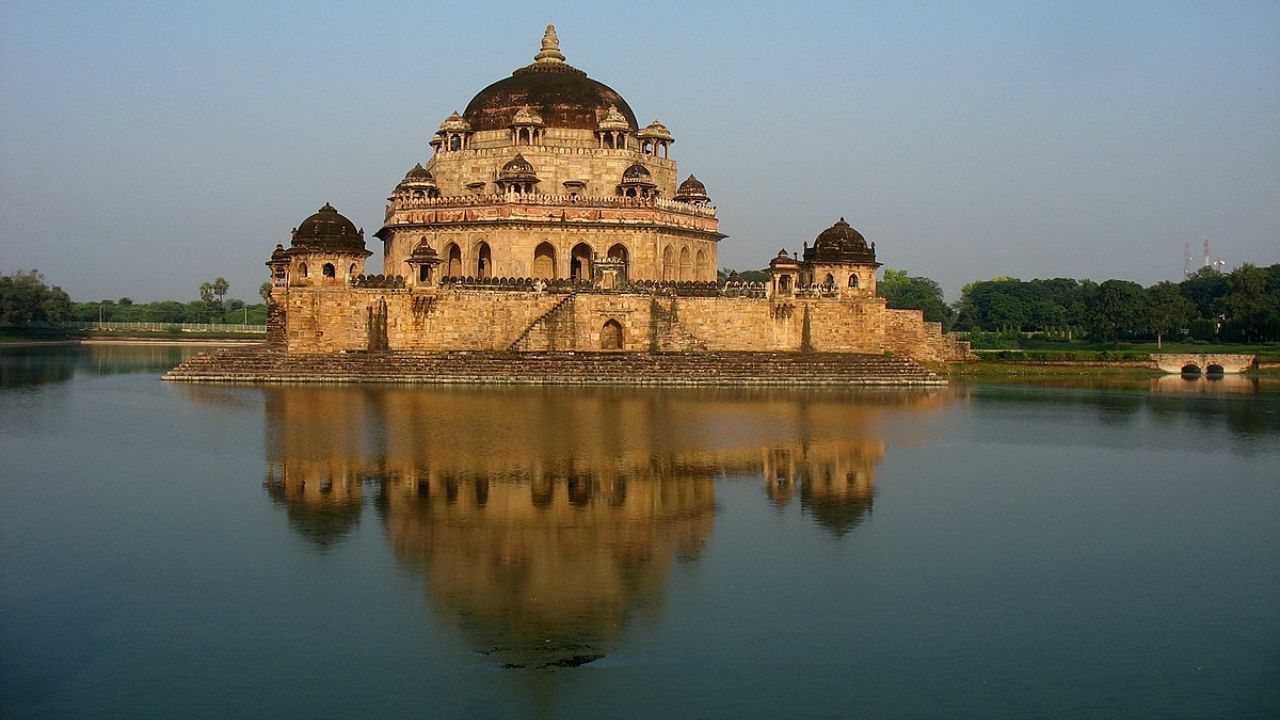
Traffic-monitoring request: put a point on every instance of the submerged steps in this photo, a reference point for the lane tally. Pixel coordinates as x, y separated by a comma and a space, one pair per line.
260, 364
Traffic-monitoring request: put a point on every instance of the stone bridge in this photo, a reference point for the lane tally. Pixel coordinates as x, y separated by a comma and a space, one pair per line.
1208, 363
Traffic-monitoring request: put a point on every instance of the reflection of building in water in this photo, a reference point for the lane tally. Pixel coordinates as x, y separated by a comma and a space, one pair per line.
542, 519
835, 479
544, 570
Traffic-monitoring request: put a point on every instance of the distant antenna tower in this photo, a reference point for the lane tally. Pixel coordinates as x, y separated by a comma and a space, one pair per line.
1207, 262
1186, 259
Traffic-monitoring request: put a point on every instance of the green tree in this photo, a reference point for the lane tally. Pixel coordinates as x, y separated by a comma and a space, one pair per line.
1205, 289
264, 291
1118, 307
26, 300
1249, 306
1167, 310
904, 292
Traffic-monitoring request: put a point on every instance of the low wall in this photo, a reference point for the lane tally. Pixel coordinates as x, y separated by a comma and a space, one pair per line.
324, 320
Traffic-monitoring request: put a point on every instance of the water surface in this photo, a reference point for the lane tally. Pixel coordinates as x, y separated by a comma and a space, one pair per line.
975, 551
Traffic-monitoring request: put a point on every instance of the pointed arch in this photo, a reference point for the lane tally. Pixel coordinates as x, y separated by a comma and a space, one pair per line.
580, 259
669, 270
453, 260
686, 264
700, 266
484, 260
544, 261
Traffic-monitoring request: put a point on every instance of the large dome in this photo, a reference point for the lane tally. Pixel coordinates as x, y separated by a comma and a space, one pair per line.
563, 95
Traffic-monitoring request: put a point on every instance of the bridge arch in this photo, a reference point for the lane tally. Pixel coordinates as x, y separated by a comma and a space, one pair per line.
1190, 369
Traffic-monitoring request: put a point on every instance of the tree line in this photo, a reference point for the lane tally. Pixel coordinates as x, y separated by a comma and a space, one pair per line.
27, 300
1240, 306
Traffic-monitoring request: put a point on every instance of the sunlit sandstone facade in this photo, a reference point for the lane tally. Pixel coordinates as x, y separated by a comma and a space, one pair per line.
547, 218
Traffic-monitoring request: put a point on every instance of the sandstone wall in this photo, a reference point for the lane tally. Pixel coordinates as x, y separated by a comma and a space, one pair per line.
352, 319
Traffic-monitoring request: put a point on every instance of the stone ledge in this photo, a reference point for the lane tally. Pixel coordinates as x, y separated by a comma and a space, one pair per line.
264, 365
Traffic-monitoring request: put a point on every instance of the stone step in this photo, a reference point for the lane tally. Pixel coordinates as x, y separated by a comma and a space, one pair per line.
261, 364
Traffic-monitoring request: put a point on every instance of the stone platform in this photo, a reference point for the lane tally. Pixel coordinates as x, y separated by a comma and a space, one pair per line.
260, 364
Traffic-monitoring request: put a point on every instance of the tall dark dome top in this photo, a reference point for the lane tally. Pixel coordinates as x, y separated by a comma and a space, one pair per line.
840, 243
561, 94
328, 230
841, 236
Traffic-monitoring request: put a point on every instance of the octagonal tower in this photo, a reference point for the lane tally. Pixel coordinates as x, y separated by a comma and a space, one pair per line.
544, 173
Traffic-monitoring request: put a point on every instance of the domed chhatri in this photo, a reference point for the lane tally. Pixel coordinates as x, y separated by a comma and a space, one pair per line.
545, 218
692, 191
561, 94
328, 229
841, 243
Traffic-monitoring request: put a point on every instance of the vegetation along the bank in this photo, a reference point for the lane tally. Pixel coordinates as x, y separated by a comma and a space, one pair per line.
1057, 314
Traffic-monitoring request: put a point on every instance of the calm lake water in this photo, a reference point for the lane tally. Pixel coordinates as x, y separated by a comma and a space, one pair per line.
975, 551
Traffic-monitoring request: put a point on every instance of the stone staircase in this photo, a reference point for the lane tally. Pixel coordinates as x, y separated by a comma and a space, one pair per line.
542, 323
261, 364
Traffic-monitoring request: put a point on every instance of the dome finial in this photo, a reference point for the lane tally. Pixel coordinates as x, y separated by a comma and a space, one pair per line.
550, 47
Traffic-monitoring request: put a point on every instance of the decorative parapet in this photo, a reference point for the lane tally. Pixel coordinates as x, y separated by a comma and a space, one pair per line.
741, 288
378, 281
577, 202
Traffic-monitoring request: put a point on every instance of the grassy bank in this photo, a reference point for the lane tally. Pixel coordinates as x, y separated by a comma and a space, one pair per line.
33, 336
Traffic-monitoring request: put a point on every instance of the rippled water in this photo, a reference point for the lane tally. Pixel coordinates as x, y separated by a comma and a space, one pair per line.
979, 551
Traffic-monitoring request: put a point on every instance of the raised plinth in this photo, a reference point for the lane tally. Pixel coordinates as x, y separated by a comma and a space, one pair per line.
263, 365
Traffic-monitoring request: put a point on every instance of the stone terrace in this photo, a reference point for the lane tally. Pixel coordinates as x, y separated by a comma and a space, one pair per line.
260, 364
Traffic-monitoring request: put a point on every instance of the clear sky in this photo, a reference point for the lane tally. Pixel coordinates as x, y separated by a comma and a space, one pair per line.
146, 147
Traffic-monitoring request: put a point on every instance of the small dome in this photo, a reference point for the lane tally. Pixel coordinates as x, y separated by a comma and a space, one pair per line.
454, 123
518, 169
419, 173
840, 244
527, 116
423, 252
418, 178
692, 190
841, 236
656, 131
783, 258
328, 230
614, 121
636, 173
278, 253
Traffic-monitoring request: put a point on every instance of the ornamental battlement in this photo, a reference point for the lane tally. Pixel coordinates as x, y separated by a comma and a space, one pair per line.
538, 199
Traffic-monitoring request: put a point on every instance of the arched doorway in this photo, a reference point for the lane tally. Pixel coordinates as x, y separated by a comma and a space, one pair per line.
484, 261
686, 265
611, 335
580, 262
700, 266
544, 261
853, 282
618, 252
668, 263
453, 261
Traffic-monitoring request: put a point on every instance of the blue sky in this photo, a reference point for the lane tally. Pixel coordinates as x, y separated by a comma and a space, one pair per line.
147, 147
